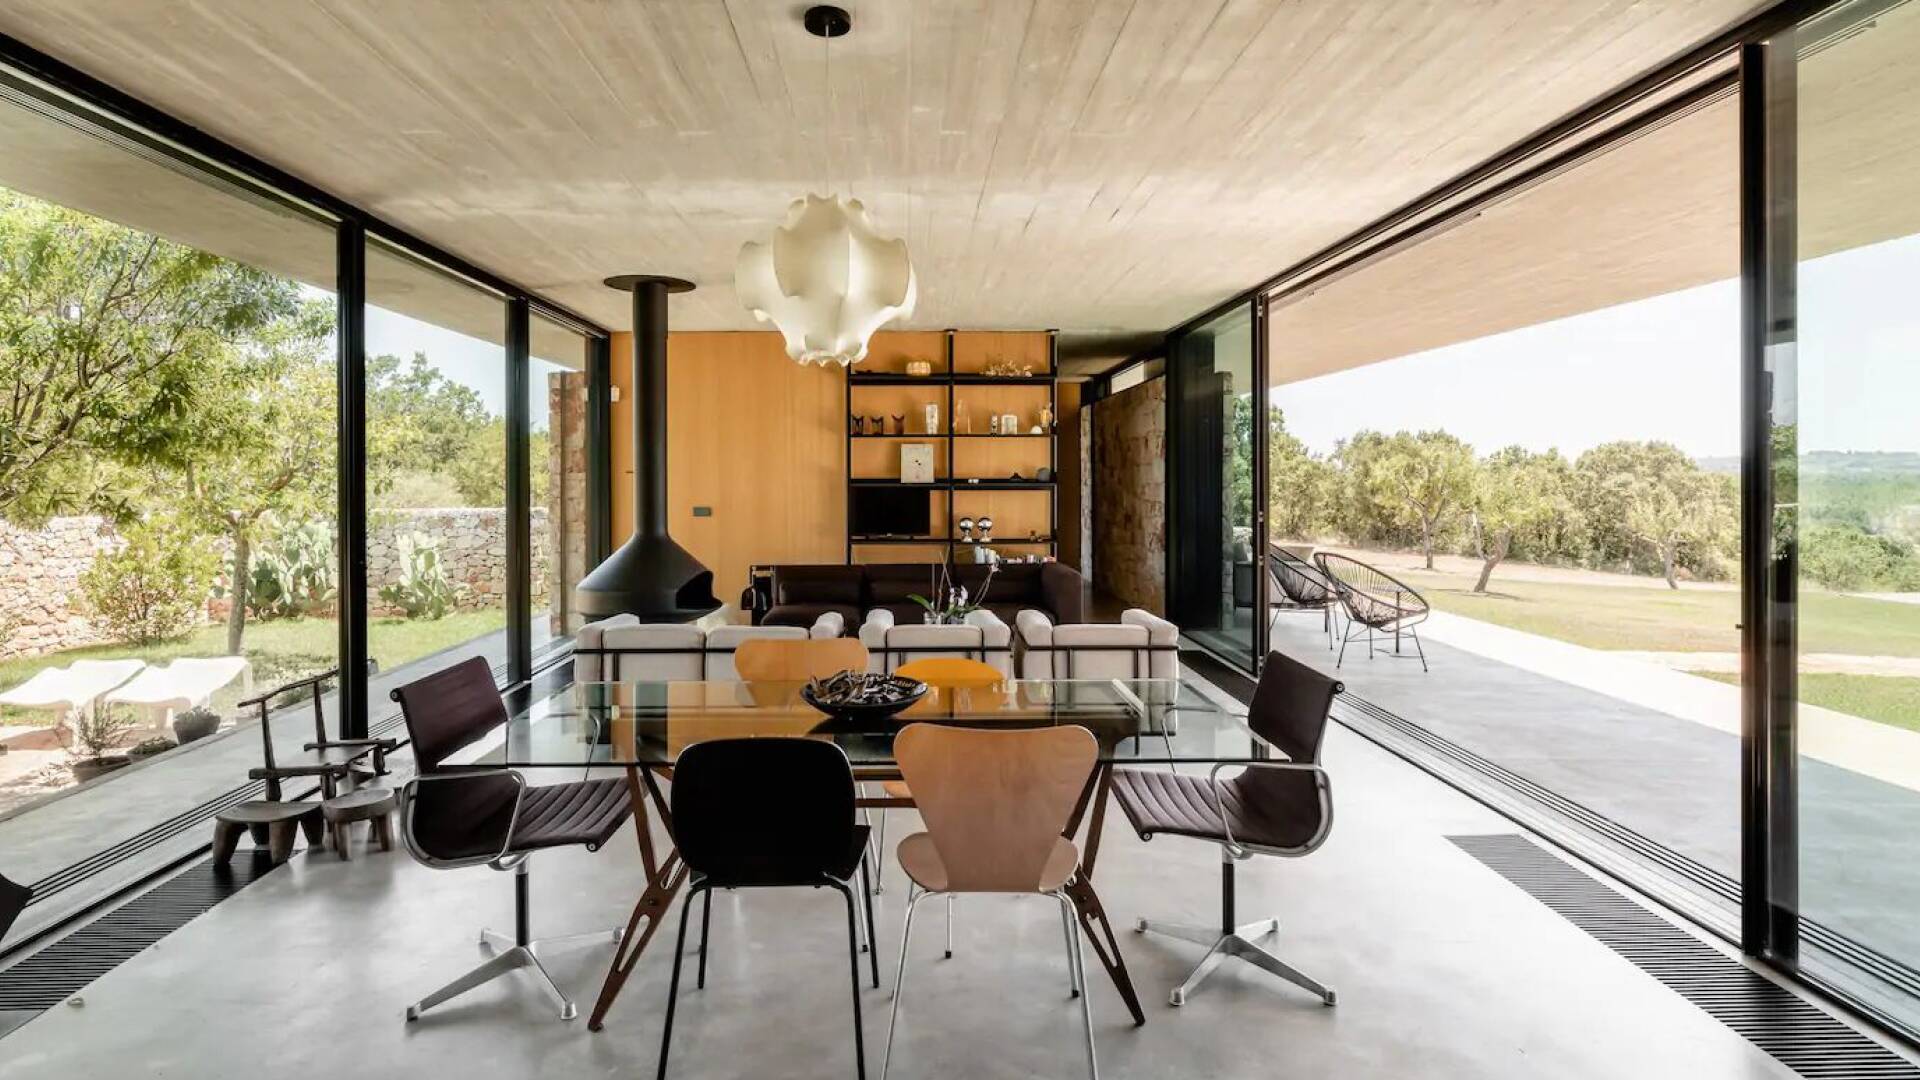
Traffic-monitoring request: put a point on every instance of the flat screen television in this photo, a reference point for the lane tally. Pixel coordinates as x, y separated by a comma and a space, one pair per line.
891, 512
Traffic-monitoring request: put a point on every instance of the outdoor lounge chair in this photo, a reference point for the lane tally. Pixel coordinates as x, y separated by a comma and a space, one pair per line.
184, 684
1299, 586
1375, 600
71, 689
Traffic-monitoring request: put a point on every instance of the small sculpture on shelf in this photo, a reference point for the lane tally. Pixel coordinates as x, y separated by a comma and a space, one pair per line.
1006, 369
985, 525
933, 418
919, 369
962, 419
899, 423
966, 530
993, 425
876, 425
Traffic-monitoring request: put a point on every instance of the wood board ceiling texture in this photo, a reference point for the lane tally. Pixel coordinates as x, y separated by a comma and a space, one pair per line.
1105, 167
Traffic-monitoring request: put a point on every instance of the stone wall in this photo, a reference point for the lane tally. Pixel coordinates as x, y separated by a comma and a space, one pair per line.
1130, 492
43, 609
567, 494
40, 598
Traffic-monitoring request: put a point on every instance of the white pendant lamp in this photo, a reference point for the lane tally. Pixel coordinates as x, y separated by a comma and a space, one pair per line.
826, 279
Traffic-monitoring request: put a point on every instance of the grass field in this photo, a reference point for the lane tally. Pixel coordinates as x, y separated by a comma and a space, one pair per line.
1889, 699
1690, 619
279, 649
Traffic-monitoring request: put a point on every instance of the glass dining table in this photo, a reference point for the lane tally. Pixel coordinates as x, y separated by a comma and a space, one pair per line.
642, 727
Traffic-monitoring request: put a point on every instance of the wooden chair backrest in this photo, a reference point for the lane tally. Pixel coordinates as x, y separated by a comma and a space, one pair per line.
792, 661
950, 671
995, 801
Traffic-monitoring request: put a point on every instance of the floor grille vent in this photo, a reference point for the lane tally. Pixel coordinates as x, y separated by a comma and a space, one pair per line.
1806, 1040
54, 974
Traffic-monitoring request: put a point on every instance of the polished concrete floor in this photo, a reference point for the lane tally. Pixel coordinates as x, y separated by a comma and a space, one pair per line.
1443, 970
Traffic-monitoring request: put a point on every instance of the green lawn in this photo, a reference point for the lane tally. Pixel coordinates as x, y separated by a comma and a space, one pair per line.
281, 649
1690, 619
1888, 699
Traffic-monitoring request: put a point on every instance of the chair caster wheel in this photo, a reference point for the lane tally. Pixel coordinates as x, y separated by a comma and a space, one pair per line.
1139, 926
1330, 998
413, 1013
1178, 997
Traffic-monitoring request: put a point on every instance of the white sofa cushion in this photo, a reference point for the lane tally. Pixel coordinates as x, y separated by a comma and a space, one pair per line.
671, 652
983, 637
588, 667
721, 644
1140, 645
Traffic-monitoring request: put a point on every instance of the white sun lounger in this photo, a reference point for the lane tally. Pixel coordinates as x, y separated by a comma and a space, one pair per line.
71, 689
186, 683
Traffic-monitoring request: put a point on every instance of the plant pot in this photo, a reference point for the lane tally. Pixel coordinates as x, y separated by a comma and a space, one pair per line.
86, 769
149, 748
190, 726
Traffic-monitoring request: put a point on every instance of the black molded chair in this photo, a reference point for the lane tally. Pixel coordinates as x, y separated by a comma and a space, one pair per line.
1375, 600
768, 813
1282, 808
1302, 587
453, 817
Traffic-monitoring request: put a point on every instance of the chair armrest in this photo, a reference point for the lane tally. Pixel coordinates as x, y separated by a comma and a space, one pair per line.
1063, 590
1159, 630
410, 799
830, 624
994, 633
1035, 627
1241, 851
873, 632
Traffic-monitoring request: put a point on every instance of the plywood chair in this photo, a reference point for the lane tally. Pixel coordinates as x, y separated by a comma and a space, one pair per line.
794, 661
943, 673
995, 803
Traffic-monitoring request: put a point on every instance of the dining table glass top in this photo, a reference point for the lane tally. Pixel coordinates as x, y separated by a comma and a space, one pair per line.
1144, 721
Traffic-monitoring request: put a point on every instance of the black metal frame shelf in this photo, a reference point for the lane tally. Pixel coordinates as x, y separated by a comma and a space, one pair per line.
948, 379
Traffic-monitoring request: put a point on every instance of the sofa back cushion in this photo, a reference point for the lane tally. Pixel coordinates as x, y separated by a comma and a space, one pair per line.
662, 652
721, 644
818, 585
891, 584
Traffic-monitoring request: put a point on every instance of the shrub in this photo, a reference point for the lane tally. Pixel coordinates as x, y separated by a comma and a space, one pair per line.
294, 574
98, 730
1844, 557
155, 587
423, 591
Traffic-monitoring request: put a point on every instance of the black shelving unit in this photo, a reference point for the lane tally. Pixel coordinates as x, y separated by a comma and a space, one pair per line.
950, 484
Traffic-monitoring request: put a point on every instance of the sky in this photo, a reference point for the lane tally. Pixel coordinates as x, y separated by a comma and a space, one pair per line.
1662, 368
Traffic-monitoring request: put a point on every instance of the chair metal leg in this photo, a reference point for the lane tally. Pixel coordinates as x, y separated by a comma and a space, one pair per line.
1078, 962
949, 926
873, 935
549, 946
1187, 932
1345, 637
1075, 977
853, 965
560, 1000
673, 985
706, 923
511, 960
880, 856
1220, 951
1266, 961
914, 896
1415, 634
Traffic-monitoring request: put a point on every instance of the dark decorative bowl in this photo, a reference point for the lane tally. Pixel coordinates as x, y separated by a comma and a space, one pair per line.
867, 710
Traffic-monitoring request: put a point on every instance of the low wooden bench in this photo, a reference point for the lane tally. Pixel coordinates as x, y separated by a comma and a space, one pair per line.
272, 825
373, 805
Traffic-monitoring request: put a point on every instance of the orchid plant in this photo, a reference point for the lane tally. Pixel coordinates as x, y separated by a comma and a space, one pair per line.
952, 604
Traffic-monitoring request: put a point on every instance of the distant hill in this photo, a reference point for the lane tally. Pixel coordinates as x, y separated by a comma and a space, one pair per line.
1835, 463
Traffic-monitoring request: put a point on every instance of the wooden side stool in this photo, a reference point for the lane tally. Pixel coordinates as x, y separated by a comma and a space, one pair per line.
372, 804
271, 824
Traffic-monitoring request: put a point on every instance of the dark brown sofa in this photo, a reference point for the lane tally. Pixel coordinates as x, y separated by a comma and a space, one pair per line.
801, 594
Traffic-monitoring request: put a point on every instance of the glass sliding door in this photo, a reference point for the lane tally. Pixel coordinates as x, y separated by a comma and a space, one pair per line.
557, 404
437, 521
1847, 494
1216, 424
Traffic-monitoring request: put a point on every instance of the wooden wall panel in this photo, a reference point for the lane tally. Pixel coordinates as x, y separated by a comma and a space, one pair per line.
973, 350
752, 435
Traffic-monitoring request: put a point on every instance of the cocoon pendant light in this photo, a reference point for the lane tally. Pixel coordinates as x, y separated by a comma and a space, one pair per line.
826, 280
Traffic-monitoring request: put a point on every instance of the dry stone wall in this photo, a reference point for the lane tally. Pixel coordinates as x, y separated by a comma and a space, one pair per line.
1130, 482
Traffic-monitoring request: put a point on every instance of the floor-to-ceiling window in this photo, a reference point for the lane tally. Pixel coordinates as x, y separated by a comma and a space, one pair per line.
1847, 493
558, 400
1522, 434
167, 460
1214, 407
436, 387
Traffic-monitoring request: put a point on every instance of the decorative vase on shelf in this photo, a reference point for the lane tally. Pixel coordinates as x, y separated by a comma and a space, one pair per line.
933, 418
966, 530
962, 419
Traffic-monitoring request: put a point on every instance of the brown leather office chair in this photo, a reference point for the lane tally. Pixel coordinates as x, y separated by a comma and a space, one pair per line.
450, 817
1282, 808
995, 803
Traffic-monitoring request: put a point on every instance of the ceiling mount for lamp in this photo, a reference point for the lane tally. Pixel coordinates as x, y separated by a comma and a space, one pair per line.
826, 278
827, 21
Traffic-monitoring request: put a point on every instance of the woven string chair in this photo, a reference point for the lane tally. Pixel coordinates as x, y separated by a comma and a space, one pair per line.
1376, 601
1302, 587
